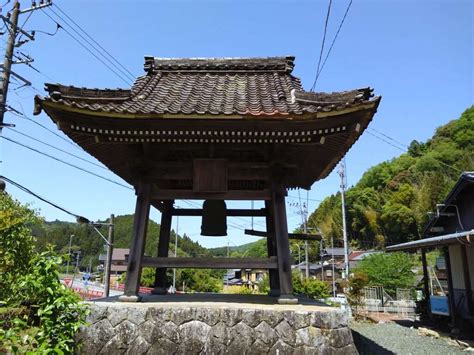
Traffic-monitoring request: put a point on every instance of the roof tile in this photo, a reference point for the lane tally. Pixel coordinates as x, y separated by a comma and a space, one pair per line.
216, 86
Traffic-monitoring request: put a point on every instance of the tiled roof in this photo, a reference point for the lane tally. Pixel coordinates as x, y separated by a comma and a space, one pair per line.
213, 86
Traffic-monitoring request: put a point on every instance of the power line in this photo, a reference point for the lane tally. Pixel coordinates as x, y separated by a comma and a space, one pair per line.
58, 149
22, 115
66, 163
322, 44
405, 146
24, 189
93, 40
126, 80
318, 73
308, 199
124, 72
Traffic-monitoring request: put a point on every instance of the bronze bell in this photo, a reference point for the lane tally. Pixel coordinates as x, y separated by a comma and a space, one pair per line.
214, 218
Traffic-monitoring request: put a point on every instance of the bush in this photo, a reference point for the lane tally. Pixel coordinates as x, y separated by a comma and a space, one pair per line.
39, 314
357, 282
391, 270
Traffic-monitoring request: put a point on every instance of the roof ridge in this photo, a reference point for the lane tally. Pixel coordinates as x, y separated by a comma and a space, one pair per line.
251, 64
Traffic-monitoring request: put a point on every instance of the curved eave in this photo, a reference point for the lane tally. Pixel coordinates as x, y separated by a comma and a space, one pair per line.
46, 103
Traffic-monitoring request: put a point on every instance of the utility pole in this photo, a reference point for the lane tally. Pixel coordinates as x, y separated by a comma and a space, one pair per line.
305, 231
11, 21
332, 259
7, 63
175, 252
321, 254
342, 174
69, 254
108, 261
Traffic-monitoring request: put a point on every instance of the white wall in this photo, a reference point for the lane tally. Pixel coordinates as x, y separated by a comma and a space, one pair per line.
456, 265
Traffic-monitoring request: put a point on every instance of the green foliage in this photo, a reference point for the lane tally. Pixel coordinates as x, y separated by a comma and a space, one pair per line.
201, 280
390, 270
309, 287
50, 313
390, 202
356, 284
255, 249
264, 284
16, 242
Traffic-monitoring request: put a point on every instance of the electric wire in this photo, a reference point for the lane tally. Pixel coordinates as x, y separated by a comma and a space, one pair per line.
55, 205
92, 38
403, 147
322, 44
58, 149
119, 67
42, 126
319, 71
332, 44
127, 81
28, 191
66, 163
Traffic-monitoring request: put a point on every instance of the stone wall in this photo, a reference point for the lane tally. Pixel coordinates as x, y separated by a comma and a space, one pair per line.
118, 328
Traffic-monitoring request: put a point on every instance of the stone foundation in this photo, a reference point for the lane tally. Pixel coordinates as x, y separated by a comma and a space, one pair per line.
214, 328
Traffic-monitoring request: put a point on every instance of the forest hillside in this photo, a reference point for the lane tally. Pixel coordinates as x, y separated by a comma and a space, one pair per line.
390, 202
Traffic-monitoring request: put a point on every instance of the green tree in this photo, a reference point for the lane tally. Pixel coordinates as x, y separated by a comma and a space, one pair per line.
39, 314
390, 270
355, 288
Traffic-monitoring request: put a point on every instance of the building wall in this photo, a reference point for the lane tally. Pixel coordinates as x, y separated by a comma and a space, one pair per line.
458, 276
470, 260
456, 266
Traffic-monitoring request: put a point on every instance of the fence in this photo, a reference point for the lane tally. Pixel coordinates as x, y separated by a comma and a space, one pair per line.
376, 299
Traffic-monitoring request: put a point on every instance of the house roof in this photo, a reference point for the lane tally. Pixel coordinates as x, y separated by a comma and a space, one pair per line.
335, 251
465, 237
209, 86
118, 254
466, 180
359, 255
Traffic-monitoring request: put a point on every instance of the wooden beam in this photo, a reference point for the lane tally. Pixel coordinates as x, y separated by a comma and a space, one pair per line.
282, 244
196, 212
211, 263
295, 236
229, 195
274, 279
140, 224
163, 246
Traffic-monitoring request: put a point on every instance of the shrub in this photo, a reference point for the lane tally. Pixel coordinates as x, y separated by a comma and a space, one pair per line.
357, 282
39, 314
392, 270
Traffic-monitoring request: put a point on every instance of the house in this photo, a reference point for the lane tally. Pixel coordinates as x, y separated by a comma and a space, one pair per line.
451, 228
249, 278
356, 256
119, 260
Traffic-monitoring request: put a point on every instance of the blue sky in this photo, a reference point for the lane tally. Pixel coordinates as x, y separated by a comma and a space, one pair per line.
417, 54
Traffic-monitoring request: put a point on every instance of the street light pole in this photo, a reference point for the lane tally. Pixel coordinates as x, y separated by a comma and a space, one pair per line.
69, 254
175, 251
342, 174
108, 261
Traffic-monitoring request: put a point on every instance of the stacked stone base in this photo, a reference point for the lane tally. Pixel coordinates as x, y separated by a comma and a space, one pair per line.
177, 328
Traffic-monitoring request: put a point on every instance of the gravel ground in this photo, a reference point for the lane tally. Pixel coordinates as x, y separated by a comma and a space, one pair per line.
391, 338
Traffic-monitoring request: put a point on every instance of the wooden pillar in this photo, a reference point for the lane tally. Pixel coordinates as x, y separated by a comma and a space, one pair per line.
467, 280
163, 246
426, 277
271, 249
282, 245
140, 224
452, 305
